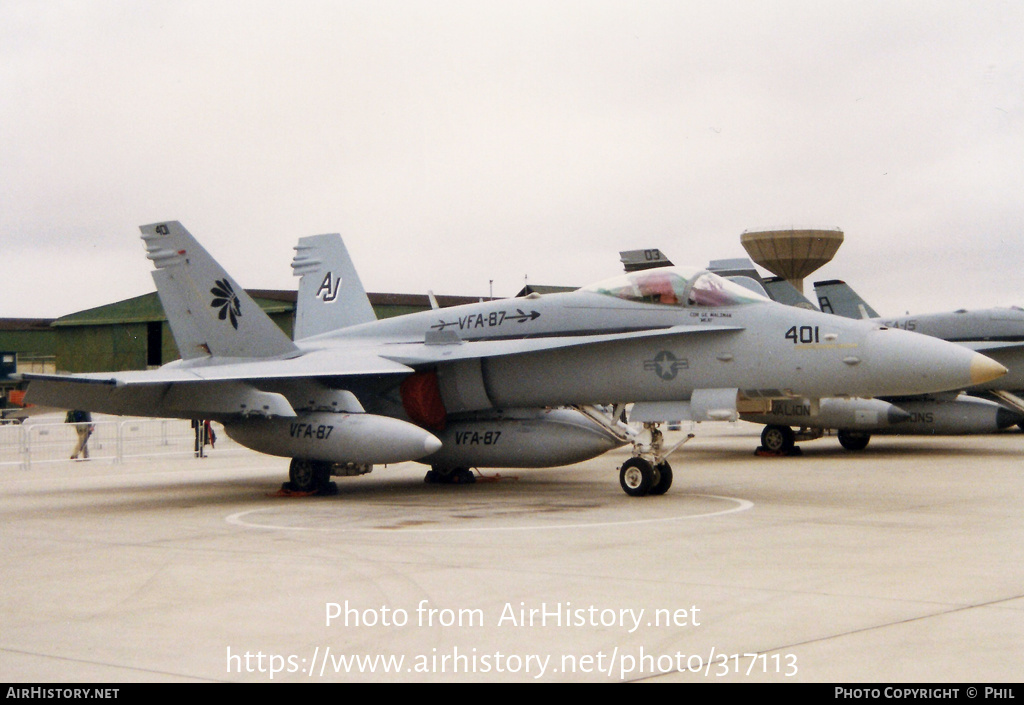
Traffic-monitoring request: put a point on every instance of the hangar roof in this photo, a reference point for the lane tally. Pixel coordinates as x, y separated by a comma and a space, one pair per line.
146, 308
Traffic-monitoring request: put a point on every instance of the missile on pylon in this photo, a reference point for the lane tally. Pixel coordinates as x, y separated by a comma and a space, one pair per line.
951, 417
855, 418
834, 412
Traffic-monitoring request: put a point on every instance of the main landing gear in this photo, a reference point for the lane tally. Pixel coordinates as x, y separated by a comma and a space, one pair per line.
853, 440
309, 477
778, 440
314, 476
438, 475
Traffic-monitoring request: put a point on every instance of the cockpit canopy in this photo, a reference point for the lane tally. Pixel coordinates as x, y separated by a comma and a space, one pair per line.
676, 286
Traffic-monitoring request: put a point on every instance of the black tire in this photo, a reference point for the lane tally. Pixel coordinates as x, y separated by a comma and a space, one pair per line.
664, 473
463, 476
853, 440
778, 439
308, 475
449, 476
636, 477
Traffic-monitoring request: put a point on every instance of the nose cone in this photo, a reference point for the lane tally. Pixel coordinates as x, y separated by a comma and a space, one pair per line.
911, 363
985, 369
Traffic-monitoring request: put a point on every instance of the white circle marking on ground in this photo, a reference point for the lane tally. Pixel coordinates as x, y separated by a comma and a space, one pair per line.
240, 519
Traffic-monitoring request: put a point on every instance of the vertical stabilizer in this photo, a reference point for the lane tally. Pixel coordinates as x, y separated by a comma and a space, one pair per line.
331, 296
784, 292
208, 312
835, 296
637, 260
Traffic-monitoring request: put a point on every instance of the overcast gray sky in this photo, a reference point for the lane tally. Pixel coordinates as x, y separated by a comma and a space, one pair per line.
453, 143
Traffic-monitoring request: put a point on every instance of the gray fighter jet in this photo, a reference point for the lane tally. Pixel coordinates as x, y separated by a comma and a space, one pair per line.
995, 406
854, 419
857, 419
996, 332
677, 343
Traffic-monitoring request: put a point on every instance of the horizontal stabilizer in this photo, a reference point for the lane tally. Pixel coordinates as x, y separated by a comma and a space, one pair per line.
198, 400
311, 365
185, 391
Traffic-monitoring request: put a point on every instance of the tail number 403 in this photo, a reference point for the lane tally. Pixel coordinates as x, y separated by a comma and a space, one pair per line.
803, 334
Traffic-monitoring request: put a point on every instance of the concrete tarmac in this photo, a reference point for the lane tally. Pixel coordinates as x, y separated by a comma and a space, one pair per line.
901, 563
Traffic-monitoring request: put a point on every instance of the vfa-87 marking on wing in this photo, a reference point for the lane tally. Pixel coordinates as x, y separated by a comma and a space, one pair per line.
388, 389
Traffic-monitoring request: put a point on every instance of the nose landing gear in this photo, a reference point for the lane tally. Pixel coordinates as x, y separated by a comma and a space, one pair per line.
648, 471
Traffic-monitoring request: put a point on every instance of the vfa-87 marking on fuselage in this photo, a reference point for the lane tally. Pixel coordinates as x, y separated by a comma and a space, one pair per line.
492, 319
550, 377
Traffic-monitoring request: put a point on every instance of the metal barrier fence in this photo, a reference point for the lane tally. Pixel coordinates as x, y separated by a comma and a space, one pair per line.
29, 444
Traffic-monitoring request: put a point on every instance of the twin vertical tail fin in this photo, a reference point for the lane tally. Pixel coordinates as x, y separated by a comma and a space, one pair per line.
835, 296
331, 296
785, 293
208, 312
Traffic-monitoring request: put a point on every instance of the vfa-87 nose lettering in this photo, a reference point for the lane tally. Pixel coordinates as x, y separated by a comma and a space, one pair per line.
552, 378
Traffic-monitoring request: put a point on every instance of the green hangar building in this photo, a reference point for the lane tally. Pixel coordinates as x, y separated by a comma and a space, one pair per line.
134, 335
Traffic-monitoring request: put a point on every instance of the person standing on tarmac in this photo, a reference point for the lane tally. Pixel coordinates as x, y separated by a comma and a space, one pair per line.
84, 428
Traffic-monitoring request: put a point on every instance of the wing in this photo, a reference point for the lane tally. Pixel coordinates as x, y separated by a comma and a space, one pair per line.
263, 387
278, 387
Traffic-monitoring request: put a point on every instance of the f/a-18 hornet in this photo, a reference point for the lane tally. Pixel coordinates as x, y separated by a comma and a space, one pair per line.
528, 382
